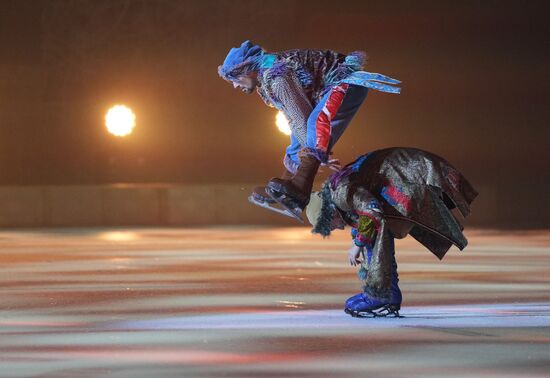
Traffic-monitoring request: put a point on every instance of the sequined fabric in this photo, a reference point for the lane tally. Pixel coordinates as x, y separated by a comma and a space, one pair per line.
415, 191
414, 185
316, 70
312, 87
297, 79
289, 97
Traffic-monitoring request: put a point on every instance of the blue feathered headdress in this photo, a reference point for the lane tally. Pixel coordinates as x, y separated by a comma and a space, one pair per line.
241, 60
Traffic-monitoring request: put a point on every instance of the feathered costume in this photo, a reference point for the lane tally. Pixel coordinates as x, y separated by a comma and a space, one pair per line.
390, 193
319, 91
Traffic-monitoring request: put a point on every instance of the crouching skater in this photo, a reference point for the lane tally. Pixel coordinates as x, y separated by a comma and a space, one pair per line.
386, 195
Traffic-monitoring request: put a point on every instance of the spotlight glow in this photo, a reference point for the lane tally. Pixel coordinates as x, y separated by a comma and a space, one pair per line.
282, 123
120, 120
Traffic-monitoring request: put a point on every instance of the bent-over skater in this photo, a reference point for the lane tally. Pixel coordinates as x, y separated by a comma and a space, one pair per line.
386, 195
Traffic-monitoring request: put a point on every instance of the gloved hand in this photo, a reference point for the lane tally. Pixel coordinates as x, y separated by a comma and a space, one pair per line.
334, 164
355, 254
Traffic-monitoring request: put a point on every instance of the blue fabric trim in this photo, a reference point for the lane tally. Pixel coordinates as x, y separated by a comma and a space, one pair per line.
359, 162
304, 77
374, 81
353, 62
373, 205
353, 167
290, 164
359, 243
387, 197
321, 155
267, 61
369, 255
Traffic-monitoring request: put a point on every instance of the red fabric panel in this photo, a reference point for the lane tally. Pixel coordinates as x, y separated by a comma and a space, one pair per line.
333, 103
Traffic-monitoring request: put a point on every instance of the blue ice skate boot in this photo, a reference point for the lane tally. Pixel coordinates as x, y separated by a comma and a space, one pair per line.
362, 305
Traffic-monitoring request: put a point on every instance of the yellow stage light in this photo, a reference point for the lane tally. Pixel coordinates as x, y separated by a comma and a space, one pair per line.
120, 120
282, 123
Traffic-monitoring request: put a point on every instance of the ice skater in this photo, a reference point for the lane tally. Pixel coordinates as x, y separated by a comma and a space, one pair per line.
386, 195
319, 92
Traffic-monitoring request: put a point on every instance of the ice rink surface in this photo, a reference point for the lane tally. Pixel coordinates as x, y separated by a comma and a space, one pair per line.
265, 302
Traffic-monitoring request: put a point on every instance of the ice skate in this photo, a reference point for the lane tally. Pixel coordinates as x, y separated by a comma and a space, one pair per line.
272, 205
293, 194
362, 305
278, 188
260, 197
288, 205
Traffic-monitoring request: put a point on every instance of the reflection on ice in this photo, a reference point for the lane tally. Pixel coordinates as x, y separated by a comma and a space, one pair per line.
237, 301
118, 236
454, 316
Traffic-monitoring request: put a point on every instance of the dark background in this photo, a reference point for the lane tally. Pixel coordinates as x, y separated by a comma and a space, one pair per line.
475, 89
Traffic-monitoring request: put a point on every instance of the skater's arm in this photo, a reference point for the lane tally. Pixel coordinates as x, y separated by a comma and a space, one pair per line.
295, 104
354, 255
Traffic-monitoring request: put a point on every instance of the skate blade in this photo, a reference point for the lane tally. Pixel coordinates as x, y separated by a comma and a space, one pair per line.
382, 312
270, 207
287, 203
260, 198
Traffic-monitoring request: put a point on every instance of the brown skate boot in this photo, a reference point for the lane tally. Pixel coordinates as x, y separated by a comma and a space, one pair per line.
294, 193
259, 194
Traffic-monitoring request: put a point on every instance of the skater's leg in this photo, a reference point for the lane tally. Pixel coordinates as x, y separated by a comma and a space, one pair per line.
378, 281
325, 125
381, 295
291, 159
295, 192
332, 115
